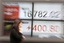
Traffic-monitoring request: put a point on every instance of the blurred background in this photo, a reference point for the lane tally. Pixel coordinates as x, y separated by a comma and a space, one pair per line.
43, 20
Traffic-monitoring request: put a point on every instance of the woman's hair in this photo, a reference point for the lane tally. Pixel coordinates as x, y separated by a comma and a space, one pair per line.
16, 24
17, 21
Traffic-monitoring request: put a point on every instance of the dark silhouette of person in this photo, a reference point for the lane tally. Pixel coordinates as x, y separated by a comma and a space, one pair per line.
16, 35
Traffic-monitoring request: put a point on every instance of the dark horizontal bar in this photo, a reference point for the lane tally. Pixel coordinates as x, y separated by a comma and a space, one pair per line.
46, 20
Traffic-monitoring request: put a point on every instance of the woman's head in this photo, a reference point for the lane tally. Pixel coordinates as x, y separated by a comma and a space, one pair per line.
17, 24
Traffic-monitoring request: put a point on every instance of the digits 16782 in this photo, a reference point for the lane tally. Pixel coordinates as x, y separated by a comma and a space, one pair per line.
42, 14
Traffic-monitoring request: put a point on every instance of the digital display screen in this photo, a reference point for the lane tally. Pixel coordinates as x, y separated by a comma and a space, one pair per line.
17, 10
47, 29
43, 11
26, 27
52, 11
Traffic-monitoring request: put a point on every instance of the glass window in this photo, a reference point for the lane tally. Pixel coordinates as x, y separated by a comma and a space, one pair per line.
48, 11
17, 10
47, 19
7, 27
41, 28
21, 10
26, 27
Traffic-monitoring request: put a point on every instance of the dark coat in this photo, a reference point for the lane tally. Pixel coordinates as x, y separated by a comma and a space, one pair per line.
15, 36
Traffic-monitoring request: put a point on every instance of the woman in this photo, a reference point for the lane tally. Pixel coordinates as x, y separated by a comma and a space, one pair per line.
16, 35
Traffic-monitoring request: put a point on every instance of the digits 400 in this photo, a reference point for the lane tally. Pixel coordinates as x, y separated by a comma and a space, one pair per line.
44, 28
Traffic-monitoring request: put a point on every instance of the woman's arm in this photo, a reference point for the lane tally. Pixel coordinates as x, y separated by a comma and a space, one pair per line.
23, 37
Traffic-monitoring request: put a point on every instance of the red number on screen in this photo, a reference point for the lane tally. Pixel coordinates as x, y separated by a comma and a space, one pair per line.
44, 28
54, 28
40, 28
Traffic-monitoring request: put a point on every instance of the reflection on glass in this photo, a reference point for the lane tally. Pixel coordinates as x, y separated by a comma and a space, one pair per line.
7, 28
